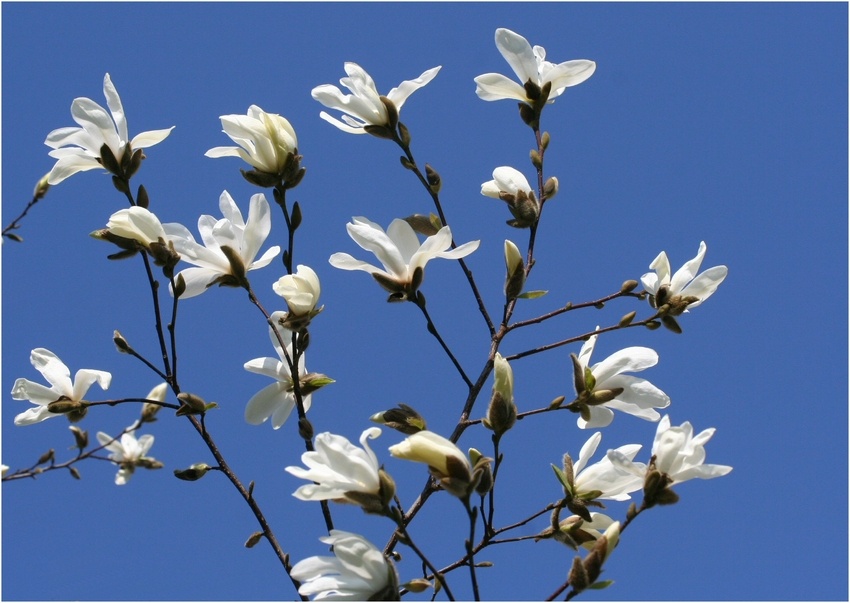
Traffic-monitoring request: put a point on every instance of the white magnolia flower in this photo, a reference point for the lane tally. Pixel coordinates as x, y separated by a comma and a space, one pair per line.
638, 396
683, 290
4, 469
265, 139
61, 387
244, 239
611, 480
278, 399
506, 180
300, 290
127, 452
138, 224
678, 453
358, 571
337, 467
78, 149
363, 107
400, 252
529, 65
439, 453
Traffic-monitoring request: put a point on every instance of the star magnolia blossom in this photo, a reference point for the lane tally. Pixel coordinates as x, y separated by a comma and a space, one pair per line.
243, 238
78, 149
358, 571
126, 452
138, 224
434, 450
278, 399
300, 290
363, 107
639, 397
685, 282
506, 180
529, 64
265, 139
611, 480
338, 467
678, 453
400, 252
59, 378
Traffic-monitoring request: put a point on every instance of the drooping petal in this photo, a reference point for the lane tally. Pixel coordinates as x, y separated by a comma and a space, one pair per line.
85, 378
495, 86
264, 403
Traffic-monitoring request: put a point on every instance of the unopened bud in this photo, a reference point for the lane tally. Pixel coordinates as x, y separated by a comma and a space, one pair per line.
41, 188
627, 319
74, 473
550, 188
314, 381
433, 177
417, 585
305, 429
578, 576
515, 279
253, 539
404, 419
81, 437
193, 473
628, 286
46, 457
121, 343
190, 404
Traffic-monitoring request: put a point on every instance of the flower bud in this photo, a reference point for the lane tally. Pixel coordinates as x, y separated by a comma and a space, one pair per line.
502, 412
403, 418
41, 187
193, 473
515, 280
149, 410
80, 437
550, 189
121, 343
191, 404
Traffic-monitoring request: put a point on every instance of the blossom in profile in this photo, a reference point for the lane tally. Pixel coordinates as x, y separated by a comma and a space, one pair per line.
603, 388
358, 571
266, 140
511, 186
80, 149
531, 67
446, 462
128, 452
365, 107
277, 400
138, 224
61, 387
230, 245
685, 289
300, 290
339, 470
399, 251
506, 180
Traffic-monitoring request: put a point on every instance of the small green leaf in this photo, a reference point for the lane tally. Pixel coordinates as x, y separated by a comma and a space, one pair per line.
599, 585
562, 477
532, 294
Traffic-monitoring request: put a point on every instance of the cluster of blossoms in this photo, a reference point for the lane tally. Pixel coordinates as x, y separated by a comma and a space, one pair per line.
336, 469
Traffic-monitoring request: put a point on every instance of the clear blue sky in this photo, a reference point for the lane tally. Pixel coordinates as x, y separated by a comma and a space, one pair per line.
718, 122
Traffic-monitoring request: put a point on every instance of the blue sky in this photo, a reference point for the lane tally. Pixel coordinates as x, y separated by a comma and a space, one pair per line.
718, 122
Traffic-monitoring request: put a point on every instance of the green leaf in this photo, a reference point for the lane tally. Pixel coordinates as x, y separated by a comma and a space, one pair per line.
562, 477
532, 294
600, 584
